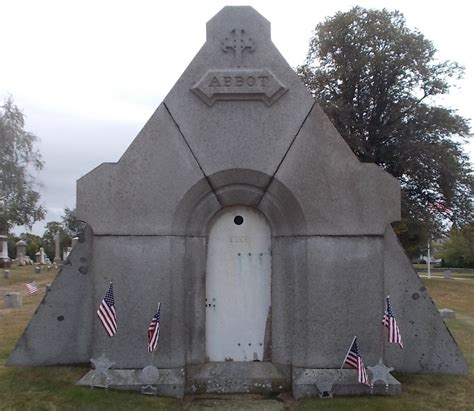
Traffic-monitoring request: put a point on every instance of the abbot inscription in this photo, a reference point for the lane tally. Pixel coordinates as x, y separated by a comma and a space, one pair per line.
239, 84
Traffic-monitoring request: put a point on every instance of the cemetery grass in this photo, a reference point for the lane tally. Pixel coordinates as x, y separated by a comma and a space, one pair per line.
53, 388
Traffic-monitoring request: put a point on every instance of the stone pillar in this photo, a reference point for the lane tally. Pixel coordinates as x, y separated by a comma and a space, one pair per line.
21, 252
4, 259
42, 256
57, 252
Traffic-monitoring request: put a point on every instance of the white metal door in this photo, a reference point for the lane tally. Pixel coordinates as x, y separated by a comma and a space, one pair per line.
238, 285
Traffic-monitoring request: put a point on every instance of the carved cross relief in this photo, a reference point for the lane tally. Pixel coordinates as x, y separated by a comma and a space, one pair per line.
238, 42
238, 83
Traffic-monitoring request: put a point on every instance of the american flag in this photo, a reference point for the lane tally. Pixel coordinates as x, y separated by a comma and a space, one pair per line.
106, 312
154, 331
392, 326
354, 360
32, 287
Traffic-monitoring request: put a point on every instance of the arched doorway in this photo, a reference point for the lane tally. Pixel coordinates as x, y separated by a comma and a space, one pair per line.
238, 285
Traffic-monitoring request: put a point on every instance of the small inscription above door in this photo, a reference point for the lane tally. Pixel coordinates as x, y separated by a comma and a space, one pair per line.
239, 84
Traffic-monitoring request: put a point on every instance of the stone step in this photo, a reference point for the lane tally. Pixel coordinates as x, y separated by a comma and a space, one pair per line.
310, 383
235, 405
238, 377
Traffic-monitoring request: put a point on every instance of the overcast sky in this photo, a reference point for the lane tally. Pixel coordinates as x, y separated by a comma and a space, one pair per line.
89, 74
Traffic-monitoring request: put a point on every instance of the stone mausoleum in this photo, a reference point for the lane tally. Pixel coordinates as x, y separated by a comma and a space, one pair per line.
241, 209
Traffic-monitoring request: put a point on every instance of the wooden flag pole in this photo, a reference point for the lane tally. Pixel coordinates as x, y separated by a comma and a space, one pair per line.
350, 346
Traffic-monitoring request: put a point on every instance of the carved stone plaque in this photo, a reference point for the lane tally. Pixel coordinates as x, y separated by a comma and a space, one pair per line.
239, 84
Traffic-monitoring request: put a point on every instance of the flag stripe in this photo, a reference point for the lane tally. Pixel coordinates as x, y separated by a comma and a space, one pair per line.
154, 331
390, 323
354, 360
32, 287
107, 314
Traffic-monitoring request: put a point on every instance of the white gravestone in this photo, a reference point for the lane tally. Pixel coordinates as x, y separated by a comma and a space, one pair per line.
57, 252
21, 252
4, 259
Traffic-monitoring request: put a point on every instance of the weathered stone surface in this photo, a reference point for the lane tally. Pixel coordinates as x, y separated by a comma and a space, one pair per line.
60, 331
138, 287
234, 404
237, 377
340, 298
140, 194
170, 382
238, 134
344, 383
338, 194
429, 347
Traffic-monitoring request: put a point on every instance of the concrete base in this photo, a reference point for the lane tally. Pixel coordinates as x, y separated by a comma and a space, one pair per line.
306, 382
238, 377
170, 383
244, 378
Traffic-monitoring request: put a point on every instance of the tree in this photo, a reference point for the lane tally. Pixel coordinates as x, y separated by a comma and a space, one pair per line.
48, 240
377, 80
68, 228
72, 226
33, 244
458, 249
18, 159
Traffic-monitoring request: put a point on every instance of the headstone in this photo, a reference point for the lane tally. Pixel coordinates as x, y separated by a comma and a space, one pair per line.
13, 300
149, 376
37, 269
74, 241
7, 274
239, 139
447, 313
57, 257
38, 258
447, 275
5, 261
21, 252
42, 256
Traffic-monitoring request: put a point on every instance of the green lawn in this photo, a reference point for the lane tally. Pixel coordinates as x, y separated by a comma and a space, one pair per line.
53, 388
